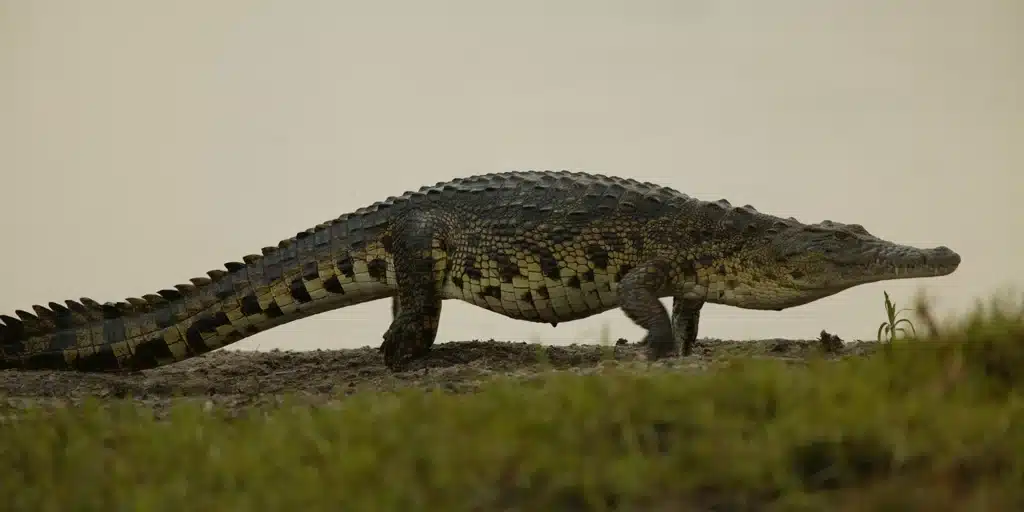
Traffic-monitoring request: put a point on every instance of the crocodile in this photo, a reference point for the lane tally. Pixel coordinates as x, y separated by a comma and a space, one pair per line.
542, 246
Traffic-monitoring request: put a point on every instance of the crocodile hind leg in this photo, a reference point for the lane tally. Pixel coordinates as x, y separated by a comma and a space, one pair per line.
396, 308
638, 297
685, 319
419, 271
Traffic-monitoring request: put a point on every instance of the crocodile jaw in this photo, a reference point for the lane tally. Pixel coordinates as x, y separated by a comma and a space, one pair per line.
883, 261
782, 281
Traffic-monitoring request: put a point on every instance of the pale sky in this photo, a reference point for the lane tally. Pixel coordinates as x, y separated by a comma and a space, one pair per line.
143, 143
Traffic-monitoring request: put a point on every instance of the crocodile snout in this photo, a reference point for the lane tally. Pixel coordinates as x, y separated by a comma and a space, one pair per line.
942, 256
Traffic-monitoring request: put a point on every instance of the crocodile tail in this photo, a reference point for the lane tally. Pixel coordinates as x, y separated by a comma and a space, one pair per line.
312, 272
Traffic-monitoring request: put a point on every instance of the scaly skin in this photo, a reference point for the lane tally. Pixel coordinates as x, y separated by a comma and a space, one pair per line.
539, 246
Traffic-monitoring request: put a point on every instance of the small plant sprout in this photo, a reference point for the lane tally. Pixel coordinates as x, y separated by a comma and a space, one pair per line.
891, 326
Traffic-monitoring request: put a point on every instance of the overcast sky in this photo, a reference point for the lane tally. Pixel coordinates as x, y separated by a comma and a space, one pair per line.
143, 143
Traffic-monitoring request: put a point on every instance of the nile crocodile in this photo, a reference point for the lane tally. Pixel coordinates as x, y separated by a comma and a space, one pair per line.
551, 246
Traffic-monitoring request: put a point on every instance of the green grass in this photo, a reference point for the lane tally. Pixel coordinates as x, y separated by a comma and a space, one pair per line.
936, 423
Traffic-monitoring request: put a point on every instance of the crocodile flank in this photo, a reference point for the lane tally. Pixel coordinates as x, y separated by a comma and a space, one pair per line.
540, 246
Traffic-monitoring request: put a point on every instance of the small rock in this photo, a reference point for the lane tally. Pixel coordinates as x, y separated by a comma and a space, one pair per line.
830, 342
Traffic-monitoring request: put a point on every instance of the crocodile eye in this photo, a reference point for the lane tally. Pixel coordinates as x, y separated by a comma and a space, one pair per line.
841, 235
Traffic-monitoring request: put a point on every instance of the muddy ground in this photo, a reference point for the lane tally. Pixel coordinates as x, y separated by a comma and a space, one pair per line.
237, 380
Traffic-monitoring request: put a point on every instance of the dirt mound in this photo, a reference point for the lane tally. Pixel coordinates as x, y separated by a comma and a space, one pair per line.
240, 379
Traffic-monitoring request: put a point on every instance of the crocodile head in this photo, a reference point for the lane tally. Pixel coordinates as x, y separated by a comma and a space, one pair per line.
808, 262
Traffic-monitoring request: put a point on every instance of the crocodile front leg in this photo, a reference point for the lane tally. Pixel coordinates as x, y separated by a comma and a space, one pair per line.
685, 318
638, 297
416, 309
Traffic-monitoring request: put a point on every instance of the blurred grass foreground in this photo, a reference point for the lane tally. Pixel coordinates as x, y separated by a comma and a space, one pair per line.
928, 424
